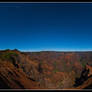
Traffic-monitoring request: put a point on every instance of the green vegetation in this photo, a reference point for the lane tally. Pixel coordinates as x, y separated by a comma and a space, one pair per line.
55, 64
56, 70
7, 55
82, 61
40, 67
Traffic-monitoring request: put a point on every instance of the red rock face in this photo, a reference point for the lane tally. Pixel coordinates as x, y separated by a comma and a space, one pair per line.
41, 70
14, 78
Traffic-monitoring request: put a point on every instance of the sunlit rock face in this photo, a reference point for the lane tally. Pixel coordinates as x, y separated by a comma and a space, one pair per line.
43, 70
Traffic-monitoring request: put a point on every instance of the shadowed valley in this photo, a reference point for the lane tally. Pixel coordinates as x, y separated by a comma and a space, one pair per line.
45, 70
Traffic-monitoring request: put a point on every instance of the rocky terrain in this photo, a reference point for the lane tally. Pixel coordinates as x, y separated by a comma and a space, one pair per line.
45, 70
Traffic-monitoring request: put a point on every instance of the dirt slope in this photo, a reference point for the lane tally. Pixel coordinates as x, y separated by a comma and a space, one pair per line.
43, 70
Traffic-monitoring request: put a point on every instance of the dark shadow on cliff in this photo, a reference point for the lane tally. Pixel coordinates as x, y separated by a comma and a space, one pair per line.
82, 78
3, 85
85, 75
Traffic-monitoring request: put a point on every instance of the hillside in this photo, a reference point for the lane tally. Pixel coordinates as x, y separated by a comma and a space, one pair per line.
44, 70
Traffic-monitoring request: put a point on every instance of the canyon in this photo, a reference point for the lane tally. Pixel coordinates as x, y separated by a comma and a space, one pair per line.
45, 70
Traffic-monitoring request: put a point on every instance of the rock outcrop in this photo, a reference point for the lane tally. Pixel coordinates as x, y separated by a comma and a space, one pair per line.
45, 70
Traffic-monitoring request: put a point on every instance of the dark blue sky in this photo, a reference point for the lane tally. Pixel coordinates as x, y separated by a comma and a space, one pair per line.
46, 26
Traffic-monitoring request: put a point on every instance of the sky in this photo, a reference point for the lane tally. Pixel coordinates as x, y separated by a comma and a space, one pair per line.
46, 26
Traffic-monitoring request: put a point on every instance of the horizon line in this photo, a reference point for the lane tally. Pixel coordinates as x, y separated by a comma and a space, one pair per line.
60, 51
48, 50
56, 50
